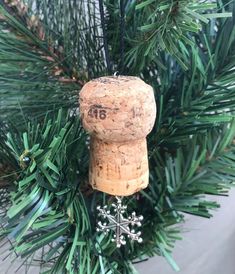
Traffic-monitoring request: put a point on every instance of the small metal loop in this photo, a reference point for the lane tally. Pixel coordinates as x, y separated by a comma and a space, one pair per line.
119, 199
116, 73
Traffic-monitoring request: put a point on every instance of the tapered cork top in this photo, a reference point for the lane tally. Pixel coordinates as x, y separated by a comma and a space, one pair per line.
118, 108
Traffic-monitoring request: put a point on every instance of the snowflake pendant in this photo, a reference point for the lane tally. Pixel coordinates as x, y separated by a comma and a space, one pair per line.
119, 224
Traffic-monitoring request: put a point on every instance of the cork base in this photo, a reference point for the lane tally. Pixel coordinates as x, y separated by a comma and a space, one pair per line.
119, 168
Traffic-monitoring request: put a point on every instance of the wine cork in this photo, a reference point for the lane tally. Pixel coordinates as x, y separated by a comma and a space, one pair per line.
118, 112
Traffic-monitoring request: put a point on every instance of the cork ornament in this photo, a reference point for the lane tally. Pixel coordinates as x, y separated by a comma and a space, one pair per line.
118, 112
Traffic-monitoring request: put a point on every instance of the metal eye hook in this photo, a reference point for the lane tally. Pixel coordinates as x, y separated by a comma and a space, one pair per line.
116, 73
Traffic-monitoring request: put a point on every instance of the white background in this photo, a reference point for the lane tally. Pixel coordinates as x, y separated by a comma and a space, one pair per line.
208, 245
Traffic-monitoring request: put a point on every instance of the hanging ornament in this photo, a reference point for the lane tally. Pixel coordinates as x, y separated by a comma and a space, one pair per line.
118, 112
119, 224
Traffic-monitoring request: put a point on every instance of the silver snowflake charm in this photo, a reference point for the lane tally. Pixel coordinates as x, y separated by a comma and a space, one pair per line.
119, 224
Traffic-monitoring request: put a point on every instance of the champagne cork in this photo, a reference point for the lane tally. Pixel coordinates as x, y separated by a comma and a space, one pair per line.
118, 112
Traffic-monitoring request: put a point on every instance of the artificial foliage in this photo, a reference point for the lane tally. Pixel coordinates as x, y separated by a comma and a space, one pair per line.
48, 51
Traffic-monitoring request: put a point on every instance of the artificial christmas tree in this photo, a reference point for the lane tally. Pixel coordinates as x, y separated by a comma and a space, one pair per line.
49, 50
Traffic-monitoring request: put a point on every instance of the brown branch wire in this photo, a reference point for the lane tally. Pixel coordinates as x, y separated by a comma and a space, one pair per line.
20, 10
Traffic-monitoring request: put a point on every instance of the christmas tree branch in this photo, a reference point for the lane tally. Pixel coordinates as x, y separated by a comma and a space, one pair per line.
15, 13
29, 68
191, 146
156, 26
203, 97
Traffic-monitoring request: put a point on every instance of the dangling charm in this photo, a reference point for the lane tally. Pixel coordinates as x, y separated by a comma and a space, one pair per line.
119, 224
118, 112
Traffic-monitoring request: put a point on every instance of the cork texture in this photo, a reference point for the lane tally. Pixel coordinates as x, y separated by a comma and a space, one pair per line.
119, 168
118, 112
118, 108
